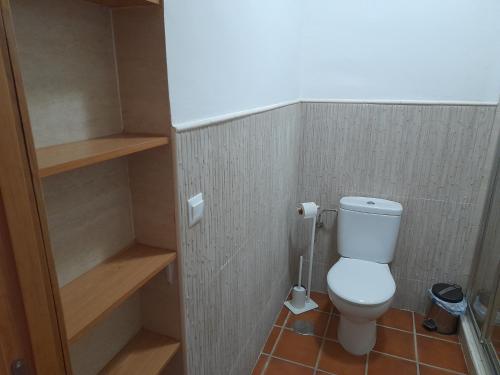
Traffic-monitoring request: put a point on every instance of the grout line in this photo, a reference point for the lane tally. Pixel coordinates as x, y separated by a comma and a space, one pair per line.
292, 362
322, 344
395, 356
438, 338
414, 331
396, 329
415, 343
324, 338
412, 361
444, 369
264, 369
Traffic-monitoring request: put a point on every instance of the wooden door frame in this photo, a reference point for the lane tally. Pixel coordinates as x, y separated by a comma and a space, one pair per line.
20, 189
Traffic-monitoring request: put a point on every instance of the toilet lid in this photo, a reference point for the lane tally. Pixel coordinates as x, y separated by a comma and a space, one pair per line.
361, 282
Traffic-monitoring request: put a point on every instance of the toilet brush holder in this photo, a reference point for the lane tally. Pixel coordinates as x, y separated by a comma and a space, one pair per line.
299, 297
300, 302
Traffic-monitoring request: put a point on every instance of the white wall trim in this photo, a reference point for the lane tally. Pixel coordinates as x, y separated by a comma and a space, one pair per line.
185, 126
402, 102
229, 116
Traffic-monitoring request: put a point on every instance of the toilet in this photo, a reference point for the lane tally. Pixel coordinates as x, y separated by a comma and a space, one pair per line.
360, 283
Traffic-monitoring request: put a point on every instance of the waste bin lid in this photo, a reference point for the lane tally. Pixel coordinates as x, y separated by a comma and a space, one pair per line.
448, 292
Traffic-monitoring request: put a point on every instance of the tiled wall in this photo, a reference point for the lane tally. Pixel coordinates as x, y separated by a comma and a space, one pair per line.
239, 262
235, 262
433, 159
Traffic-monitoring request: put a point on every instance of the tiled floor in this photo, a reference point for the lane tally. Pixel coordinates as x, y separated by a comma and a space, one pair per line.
403, 347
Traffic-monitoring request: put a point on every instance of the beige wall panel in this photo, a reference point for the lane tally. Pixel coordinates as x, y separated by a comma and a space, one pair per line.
67, 62
236, 270
89, 216
160, 304
94, 350
153, 201
140, 52
433, 159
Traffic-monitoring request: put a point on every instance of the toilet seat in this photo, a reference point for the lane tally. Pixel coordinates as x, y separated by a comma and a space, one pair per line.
361, 282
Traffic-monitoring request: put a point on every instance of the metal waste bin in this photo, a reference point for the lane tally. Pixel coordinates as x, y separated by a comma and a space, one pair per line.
439, 319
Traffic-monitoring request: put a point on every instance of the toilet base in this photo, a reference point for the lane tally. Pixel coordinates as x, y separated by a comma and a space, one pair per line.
357, 338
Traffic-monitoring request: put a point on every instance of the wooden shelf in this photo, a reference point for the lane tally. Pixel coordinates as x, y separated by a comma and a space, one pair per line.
66, 157
146, 354
125, 3
97, 292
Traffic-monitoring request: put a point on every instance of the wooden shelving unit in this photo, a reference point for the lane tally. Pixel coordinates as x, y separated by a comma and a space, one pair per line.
66, 157
147, 353
125, 3
117, 83
90, 297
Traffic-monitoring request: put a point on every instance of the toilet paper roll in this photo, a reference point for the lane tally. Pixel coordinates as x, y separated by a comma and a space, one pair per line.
308, 210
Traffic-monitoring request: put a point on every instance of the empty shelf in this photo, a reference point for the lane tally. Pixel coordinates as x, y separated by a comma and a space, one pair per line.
125, 3
66, 157
97, 292
146, 354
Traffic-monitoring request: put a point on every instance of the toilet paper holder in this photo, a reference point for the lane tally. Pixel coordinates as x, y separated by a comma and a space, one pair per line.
319, 221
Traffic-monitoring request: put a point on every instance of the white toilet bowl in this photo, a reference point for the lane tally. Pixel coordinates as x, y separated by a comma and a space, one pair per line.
362, 291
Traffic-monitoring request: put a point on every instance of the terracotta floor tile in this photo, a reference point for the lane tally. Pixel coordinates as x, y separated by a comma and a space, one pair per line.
271, 339
331, 332
318, 319
441, 353
379, 364
279, 367
297, 348
323, 301
396, 318
259, 366
336, 360
395, 342
426, 370
421, 330
281, 316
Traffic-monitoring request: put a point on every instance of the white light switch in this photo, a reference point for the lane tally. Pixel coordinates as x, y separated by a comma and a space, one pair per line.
196, 205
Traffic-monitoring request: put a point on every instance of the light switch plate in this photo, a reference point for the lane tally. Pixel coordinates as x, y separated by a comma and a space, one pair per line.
196, 206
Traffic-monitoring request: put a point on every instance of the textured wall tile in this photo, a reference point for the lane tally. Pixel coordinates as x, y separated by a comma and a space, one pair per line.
236, 269
431, 152
238, 263
436, 240
432, 159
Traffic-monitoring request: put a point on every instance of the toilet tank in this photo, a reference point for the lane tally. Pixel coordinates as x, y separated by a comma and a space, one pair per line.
368, 228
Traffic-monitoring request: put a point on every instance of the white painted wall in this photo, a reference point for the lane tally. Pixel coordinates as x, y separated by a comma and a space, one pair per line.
446, 50
227, 56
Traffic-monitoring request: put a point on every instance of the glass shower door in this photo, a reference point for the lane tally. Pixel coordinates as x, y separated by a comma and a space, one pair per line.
485, 293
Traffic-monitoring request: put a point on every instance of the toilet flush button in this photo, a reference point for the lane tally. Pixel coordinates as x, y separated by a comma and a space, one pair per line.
196, 206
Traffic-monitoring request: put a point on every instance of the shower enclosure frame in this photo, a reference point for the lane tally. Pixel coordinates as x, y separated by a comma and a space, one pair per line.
484, 332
